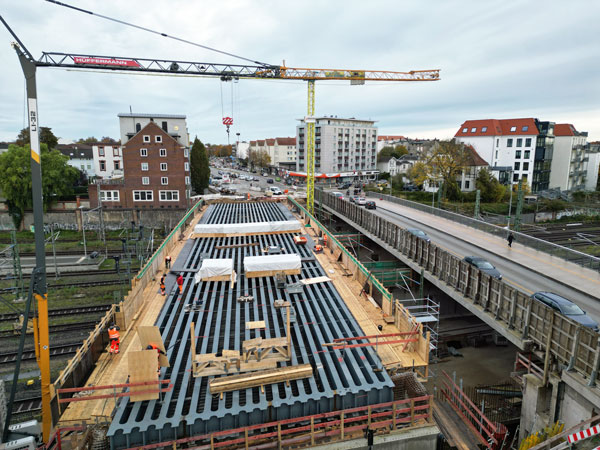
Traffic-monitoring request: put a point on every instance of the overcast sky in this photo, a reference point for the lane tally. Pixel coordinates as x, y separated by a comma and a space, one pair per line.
498, 59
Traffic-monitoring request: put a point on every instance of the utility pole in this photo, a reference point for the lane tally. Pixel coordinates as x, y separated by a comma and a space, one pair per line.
520, 194
510, 184
83, 230
101, 212
477, 200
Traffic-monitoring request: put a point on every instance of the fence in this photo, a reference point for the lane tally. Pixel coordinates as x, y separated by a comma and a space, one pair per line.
81, 365
523, 319
560, 251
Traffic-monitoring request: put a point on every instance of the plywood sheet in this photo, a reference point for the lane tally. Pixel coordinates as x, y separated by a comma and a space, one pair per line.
272, 273
151, 335
142, 367
315, 280
253, 325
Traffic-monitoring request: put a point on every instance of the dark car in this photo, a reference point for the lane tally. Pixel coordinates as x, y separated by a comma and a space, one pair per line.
370, 205
566, 307
270, 180
288, 181
483, 265
345, 185
410, 188
419, 233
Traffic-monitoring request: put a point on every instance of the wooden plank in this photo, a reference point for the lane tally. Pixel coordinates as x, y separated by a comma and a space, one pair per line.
253, 325
151, 335
142, 367
272, 273
244, 381
250, 244
315, 280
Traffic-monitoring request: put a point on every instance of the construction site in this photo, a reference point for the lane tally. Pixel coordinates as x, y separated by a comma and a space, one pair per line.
274, 340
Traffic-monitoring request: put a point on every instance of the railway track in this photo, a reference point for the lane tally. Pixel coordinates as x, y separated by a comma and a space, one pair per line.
6, 334
63, 312
79, 284
29, 354
25, 405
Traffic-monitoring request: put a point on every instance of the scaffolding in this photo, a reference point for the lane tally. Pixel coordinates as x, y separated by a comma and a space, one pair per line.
427, 312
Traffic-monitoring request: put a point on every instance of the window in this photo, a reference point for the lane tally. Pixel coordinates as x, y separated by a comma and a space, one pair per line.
100, 151
509, 142
138, 127
163, 167
158, 138
186, 166
517, 165
467, 183
89, 166
519, 142
473, 130
528, 142
146, 180
145, 167
525, 128
117, 165
465, 130
146, 138
497, 142
164, 126
115, 151
186, 152
102, 166
82, 167
518, 154
483, 129
143, 152
513, 129
143, 196
109, 196
163, 152
187, 180
164, 180
169, 196
515, 177
527, 152
525, 166
496, 154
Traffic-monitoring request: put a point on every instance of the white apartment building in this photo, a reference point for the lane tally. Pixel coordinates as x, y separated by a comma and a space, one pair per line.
173, 124
389, 141
593, 154
282, 151
108, 160
341, 145
570, 160
241, 149
80, 156
521, 147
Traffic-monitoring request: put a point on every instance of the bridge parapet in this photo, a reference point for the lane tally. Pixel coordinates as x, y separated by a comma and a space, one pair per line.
522, 320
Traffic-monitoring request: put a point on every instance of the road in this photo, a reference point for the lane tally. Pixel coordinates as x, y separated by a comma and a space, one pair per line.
243, 186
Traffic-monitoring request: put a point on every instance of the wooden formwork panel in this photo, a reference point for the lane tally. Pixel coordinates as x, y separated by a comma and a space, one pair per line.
463, 277
538, 322
473, 285
453, 270
483, 297
562, 337
505, 299
586, 351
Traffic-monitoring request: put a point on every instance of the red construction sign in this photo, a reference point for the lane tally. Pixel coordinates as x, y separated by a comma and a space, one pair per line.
227, 121
584, 434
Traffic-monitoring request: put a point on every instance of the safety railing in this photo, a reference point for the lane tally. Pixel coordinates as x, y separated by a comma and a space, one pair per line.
524, 320
560, 251
525, 366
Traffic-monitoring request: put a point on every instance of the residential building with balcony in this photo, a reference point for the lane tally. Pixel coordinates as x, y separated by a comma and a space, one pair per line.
341, 145
570, 160
515, 149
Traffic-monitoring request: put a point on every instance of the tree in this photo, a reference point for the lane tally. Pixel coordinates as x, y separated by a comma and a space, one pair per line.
88, 140
259, 158
46, 137
443, 161
199, 169
397, 152
491, 189
15, 165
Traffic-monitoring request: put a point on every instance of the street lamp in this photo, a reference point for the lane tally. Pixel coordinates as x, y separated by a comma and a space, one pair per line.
83, 229
510, 185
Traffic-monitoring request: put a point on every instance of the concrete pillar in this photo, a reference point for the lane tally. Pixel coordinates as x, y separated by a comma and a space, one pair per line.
79, 219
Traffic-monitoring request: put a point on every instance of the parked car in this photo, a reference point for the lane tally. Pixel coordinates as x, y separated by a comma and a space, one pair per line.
243, 177
288, 181
371, 205
483, 265
566, 307
275, 190
345, 185
419, 233
361, 201
338, 195
277, 178
410, 188
270, 180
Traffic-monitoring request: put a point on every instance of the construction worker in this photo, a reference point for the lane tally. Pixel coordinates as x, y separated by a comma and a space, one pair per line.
168, 262
115, 338
152, 346
162, 284
180, 283
318, 248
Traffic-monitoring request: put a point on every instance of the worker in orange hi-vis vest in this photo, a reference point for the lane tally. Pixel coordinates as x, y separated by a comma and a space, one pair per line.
152, 346
115, 338
162, 284
180, 283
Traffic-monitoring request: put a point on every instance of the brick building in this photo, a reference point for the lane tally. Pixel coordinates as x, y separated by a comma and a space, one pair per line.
156, 173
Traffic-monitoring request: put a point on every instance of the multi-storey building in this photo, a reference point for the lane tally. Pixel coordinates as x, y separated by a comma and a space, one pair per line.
156, 170
570, 159
281, 150
80, 157
517, 148
108, 160
593, 155
173, 124
341, 145
389, 141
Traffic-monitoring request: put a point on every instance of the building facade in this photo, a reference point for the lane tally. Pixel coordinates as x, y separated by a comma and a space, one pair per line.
281, 151
340, 145
174, 125
515, 149
108, 160
80, 156
570, 160
156, 172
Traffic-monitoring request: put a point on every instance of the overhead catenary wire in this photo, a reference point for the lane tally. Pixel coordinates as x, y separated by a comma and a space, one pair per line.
139, 27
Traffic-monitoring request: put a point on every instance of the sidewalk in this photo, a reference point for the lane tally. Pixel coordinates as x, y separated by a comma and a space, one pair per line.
572, 275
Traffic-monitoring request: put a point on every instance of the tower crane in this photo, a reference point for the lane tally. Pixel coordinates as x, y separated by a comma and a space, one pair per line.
124, 64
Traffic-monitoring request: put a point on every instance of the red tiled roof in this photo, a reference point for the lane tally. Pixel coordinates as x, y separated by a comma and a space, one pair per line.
495, 127
475, 159
260, 143
390, 138
286, 141
253, 143
564, 129
270, 142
